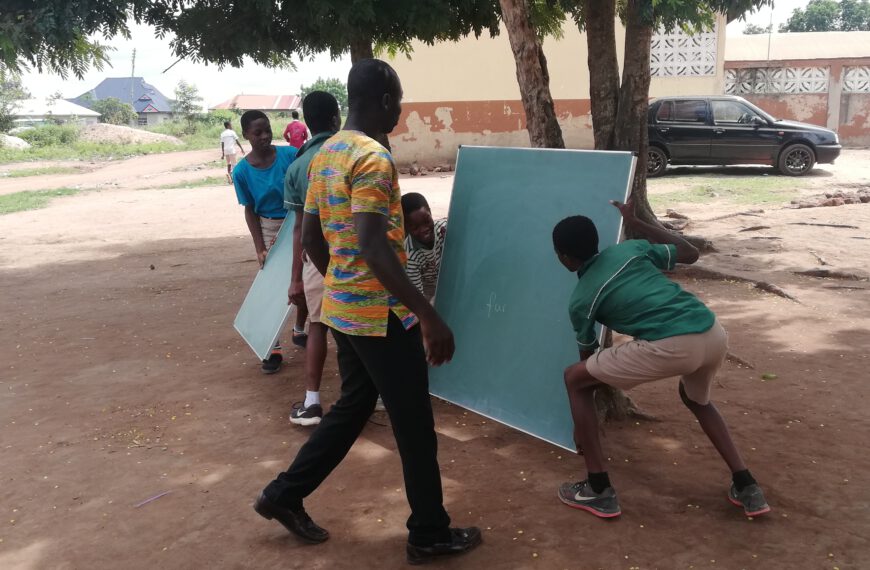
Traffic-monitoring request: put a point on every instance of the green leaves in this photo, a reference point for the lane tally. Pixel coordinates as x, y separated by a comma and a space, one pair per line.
828, 16
54, 35
335, 87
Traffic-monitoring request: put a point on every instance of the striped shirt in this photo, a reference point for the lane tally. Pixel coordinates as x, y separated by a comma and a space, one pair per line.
424, 264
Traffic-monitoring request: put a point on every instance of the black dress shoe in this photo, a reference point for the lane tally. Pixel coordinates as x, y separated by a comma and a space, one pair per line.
461, 540
297, 522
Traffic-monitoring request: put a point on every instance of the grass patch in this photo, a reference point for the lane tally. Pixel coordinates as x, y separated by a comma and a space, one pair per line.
32, 200
24, 172
208, 181
85, 151
749, 190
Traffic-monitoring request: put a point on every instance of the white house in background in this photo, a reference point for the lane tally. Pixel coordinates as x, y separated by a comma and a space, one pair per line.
38, 111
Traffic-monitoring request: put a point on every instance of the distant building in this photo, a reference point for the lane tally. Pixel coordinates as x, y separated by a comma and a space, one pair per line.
39, 111
265, 103
152, 106
474, 97
815, 77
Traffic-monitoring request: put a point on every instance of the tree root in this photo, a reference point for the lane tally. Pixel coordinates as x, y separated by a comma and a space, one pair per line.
831, 274
820, 258
704, 273
844, 226
736, 359
735, 214
614, 405
675, 225
703, 244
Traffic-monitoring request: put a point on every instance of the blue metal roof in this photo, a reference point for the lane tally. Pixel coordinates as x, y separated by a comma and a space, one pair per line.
144, 94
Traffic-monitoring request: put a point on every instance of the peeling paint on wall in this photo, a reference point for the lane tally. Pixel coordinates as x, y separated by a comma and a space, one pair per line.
807, 108
855, 119
431, 133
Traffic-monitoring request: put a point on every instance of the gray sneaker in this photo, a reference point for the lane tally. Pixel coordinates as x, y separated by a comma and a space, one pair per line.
581, 496
750, 498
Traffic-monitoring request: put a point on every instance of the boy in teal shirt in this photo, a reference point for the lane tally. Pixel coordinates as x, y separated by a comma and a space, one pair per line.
675, 334
259, 180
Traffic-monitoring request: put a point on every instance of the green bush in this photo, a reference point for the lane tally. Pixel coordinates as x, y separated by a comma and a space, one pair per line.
51, 135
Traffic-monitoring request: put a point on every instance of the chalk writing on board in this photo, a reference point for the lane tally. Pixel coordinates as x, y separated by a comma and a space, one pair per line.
493, 307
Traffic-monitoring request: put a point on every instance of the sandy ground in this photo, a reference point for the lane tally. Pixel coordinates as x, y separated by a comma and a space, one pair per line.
120, 382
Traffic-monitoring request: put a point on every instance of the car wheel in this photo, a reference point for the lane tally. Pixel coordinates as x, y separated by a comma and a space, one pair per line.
796, 160
656, 162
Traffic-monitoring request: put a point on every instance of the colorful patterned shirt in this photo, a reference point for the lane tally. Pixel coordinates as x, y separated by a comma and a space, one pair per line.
353, 174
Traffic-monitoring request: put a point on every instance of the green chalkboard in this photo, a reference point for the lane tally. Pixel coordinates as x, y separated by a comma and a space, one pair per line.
501, 289
264, 312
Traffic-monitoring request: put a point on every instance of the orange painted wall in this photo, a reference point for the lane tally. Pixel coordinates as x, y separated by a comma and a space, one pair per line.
430, 133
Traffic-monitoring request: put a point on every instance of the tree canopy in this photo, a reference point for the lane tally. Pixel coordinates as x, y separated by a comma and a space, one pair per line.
114, 111
335, 87
754, 29
55, 35
11, 92
58, 35
830, 16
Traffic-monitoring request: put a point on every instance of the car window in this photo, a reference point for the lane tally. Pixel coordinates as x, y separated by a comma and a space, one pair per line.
682, 111
732, 112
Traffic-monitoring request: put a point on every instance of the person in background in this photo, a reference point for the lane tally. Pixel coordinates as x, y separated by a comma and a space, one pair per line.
296, 133
229, 140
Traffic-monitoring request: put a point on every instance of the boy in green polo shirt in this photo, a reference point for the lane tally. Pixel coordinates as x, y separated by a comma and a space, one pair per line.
675, 334
306, 285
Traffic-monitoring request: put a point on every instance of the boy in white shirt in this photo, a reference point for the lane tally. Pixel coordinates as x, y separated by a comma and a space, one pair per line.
228, 150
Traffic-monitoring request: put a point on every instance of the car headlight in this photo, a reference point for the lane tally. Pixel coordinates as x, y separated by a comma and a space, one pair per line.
836, 138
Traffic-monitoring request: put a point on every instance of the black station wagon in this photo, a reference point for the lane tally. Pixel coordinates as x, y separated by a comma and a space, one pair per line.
731, 130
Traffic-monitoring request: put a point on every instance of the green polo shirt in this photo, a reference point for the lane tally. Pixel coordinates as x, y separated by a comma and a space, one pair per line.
623, 289
296, 178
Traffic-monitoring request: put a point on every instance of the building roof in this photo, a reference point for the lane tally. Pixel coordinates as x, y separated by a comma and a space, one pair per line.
797, 46
262, 103
31, 108
145, 97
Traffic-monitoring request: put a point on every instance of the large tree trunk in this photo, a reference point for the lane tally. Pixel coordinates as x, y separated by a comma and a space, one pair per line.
630, 132
361, 48
600, 16
619, 123
532, 76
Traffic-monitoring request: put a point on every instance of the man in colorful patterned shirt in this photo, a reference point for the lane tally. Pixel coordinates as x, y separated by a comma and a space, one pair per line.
384, 328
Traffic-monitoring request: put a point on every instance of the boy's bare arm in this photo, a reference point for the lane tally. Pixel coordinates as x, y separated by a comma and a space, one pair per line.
297, 291
253, 221
314, 243
686, 252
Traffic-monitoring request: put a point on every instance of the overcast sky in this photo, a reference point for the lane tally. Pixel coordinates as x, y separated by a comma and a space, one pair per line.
153, 56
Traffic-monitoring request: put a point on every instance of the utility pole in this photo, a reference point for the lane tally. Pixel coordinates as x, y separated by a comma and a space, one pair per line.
132, 75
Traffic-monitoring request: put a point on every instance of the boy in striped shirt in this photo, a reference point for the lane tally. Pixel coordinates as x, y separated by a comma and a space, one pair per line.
424, 243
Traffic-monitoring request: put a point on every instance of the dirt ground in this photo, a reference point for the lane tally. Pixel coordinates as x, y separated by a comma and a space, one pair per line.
121, 382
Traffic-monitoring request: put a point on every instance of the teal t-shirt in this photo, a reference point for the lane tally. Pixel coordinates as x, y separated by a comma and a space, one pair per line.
623, 289
263, 188
296, 180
